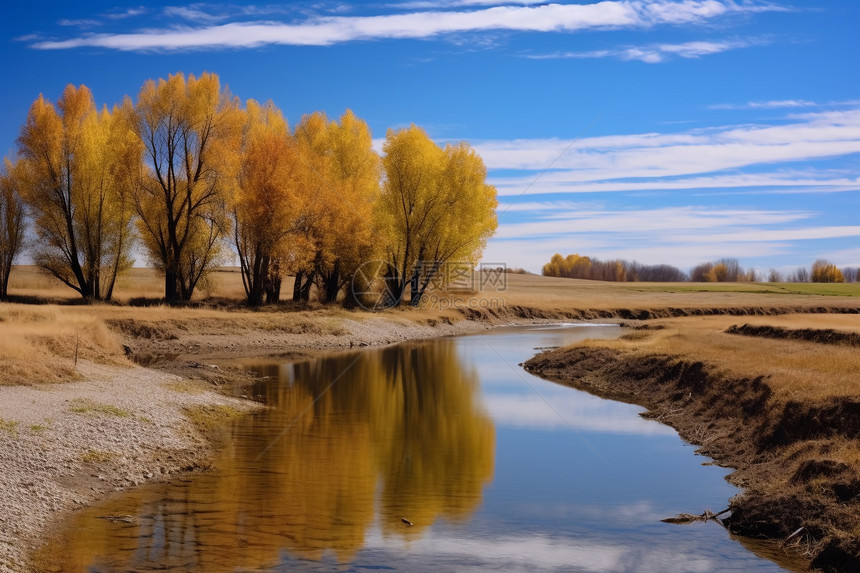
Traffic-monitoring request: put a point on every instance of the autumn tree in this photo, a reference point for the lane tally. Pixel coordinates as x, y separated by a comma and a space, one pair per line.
581, 267
11, 229
77, 168
266, 205
823, 271
191, 130
436, 207
346, 172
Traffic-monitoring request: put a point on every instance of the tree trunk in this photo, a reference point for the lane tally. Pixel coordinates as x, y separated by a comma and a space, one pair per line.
331, 283
170, 291
305, 290
297, 287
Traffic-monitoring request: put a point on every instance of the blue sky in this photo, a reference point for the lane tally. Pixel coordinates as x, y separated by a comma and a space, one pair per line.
665, 131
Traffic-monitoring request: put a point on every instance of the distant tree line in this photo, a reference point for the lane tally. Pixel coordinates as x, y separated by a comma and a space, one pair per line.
618, 270
187, 169
823, 271
724, 270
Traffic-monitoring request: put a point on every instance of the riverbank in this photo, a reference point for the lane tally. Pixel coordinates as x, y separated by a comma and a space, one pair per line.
65, 446
782, 410
80, 420
73, 398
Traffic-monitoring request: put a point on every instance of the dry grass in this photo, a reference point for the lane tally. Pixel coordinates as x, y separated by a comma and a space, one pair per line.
515, 289
186, 386
138, 283
798, 370
97, 456
9, 427
548, 292
83, 406
209, 418
38, 343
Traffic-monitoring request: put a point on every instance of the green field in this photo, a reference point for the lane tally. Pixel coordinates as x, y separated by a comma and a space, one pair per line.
812, 289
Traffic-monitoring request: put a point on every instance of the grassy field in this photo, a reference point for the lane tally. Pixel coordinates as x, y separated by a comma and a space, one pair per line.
39, 342
515, 289
796, 369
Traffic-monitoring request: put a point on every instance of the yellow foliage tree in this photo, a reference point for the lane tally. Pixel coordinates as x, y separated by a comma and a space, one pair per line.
11, 229
77, 168
267, 205
341, 191
824, 271
436, 208
191, 130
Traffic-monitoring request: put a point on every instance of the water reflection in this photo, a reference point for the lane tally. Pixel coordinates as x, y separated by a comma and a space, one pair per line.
497, 469
400, 433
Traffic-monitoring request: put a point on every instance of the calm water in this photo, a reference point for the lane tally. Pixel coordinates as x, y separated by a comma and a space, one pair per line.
496, 469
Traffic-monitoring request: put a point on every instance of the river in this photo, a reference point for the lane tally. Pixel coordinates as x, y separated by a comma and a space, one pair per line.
435, 456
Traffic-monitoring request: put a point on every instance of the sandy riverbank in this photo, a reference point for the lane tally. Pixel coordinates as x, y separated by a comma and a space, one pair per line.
107, 424
67, 445
782, 411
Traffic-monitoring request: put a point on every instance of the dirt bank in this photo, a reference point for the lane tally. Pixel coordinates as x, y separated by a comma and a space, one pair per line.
819, 335
795, 459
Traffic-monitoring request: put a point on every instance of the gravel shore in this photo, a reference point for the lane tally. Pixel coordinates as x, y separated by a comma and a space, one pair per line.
64, 446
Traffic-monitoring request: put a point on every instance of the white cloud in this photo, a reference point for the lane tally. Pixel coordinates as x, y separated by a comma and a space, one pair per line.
668, 221
701, 153
441, 4
783, 104
127, 13
773, 104
323, 31
655, 53
193, 13
82, 23
680, 236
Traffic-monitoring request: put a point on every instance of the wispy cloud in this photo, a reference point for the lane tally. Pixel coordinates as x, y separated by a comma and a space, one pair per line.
681, 236
442, 4
653, 54
127, 13
783, 104
685, 160
775, 104
194, 13
82, 23
651, 221
329, 30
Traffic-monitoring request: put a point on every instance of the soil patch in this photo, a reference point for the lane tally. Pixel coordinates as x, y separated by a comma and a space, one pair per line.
821, 336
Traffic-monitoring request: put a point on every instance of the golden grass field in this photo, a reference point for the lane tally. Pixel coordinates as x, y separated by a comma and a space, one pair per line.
523, 290
38, 341
798, 370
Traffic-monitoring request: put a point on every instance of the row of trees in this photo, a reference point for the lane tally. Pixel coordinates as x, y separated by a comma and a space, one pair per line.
723, 270
823, 271
618, 270
186, 166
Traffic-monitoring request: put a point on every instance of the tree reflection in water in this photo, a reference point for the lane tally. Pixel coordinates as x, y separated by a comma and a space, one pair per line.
402, 433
